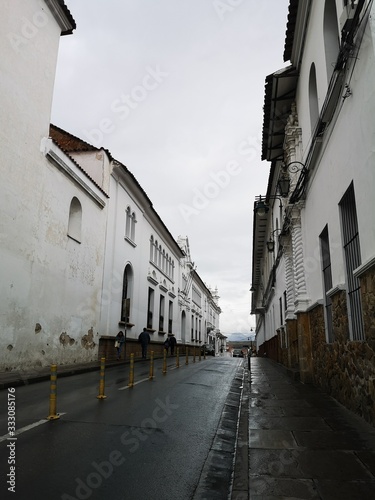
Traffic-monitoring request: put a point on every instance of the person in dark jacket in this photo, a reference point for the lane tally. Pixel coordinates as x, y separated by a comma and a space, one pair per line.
172, 343
119, 343
144, 339
166, 345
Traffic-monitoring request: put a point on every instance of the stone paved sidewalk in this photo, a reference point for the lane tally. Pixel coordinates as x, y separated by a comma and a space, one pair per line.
302, 443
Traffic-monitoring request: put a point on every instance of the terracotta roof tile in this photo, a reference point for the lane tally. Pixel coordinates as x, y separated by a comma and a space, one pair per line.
69, 142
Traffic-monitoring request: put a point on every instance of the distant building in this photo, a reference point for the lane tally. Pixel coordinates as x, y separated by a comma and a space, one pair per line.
313, 277
199, 307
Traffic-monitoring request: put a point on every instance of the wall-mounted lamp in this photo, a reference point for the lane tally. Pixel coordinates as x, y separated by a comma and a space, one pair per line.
261, 207
284, 182
271, 242
252, 289
270, 245
283, 185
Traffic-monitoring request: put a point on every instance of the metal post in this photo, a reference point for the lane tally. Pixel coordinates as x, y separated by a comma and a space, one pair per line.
101, 382
131, 371
177, 358
204, 352
52, 395
194, 355
187, 356
151, 376
200, 353
165, 362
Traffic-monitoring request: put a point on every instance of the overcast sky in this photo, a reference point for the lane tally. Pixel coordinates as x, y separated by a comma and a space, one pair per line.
175, 90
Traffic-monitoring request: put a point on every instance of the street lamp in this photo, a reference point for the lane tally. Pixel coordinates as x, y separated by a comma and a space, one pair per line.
271, 242
261, 207
284, 181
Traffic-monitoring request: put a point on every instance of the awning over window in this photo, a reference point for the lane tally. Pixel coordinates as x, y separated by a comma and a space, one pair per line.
280, 90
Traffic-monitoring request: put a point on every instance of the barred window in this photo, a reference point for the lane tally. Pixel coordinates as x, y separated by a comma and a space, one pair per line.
327, 283
352, 253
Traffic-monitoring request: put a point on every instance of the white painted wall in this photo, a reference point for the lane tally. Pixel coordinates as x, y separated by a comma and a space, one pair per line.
49, 284
120, 251
348, 155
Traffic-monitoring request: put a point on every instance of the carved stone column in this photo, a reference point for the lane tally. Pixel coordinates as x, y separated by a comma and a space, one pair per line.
301, 301
293, 137
289, 277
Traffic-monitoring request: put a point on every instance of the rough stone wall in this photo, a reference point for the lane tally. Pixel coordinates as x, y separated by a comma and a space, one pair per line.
318, 343
343, 368
291, 330
340, 322
367, 281
304, 348
270, 348
347, 372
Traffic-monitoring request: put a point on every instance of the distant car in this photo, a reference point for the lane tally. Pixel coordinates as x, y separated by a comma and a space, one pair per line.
237, 353
209, 349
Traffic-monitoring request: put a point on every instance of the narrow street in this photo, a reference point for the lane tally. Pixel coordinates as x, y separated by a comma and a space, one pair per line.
157, 440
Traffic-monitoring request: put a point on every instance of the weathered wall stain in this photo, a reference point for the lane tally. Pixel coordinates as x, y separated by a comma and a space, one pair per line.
88, 340
65, 339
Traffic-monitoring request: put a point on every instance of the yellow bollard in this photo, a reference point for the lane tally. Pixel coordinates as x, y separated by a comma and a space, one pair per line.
165, 362
101, 382
177, 358
151, 376
131, 371
187, 356
52, 395
194, 355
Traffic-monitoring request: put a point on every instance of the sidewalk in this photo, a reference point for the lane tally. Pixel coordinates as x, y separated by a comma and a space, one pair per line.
303, 444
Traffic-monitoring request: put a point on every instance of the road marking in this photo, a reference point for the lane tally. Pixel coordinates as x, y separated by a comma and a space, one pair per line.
24, 429
135, 383
143, 380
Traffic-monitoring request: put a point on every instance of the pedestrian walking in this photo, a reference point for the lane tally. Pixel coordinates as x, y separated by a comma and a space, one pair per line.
172, 343
144, 339
119, 343
166, 345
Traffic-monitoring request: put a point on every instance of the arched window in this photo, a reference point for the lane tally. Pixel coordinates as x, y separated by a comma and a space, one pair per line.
75, 220
152, 249
313, 99
127, 289
163, 261
183, 327
128, 223
159, 256
133, 223
331, 36
156, 253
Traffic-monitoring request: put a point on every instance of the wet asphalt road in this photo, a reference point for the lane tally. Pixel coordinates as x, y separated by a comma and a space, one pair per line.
158, 440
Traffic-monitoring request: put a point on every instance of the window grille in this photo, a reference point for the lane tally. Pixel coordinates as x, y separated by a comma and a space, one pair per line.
327, 283
352, 255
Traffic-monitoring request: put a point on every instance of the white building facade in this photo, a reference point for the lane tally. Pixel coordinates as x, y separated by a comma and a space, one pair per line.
50, 257
313, 294
83, 252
